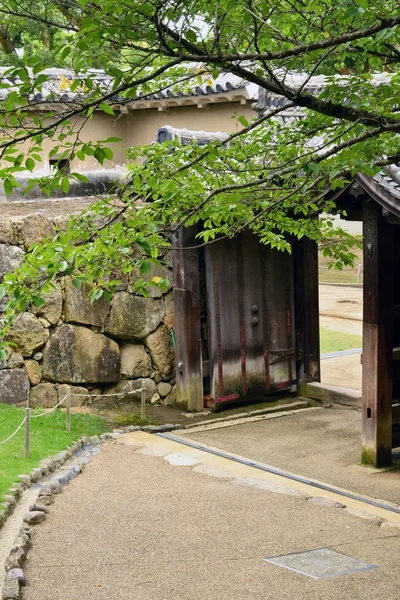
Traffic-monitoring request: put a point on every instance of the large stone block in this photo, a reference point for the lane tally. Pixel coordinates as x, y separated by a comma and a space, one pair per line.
10, 258
28, 334
43, 394
33, 229
131, 390
52, 309
14, 386
134, 317
77, 307
78, 395
7, 233
162, 351
135, 362
76, 354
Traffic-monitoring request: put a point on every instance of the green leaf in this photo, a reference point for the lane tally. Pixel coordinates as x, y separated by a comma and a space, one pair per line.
65, 185
99, 155
8, 186
30, 164
106, 108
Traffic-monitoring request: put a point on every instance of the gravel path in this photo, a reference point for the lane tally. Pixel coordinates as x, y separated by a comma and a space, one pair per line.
135, 526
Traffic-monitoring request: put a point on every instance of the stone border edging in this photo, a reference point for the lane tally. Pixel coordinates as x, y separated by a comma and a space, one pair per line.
15, 577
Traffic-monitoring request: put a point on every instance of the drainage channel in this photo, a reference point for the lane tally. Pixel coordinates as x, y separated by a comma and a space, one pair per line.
284, 474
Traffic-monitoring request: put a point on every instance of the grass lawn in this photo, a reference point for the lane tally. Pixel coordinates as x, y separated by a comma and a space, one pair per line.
47, 437
333, 341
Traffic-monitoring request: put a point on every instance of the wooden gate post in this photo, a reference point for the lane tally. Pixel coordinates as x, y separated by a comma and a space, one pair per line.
377, 337
306, 311
189, 366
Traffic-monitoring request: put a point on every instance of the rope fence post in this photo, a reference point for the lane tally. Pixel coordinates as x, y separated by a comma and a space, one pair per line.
68, 412
143, 404
27, 431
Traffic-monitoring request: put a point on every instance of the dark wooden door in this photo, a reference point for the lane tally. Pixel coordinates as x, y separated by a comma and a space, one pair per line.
250, 316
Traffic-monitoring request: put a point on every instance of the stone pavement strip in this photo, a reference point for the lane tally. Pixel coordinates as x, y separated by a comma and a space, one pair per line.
152, 519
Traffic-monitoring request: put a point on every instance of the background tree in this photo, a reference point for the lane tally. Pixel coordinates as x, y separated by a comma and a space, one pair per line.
272, 178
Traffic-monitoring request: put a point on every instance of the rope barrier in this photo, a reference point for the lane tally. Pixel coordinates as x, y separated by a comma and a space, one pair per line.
32, 416
16, 431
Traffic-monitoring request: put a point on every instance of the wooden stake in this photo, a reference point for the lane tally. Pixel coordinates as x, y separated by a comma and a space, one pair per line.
68, 412
143, 404
27, 431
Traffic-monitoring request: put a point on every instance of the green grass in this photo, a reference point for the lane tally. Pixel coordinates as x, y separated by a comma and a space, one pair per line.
48, 436
333, 341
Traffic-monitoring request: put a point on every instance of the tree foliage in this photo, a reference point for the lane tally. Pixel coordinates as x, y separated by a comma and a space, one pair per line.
270, 177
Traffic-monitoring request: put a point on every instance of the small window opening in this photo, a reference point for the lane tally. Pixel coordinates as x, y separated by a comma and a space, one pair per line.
62, 165
369, 413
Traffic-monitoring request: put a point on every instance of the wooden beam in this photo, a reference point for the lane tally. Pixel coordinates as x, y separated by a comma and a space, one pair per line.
306, 310
189, 376
377, 337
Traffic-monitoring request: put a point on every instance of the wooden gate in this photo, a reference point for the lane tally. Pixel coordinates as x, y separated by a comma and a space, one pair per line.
250, 318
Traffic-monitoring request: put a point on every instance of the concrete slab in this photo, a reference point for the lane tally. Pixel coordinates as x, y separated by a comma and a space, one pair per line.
134, 526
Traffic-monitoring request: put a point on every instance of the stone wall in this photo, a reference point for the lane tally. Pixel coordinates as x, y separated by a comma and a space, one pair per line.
88, 350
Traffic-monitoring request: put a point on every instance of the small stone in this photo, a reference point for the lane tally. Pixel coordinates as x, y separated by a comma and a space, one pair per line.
94, 440
44, 394
164, 389
15, 361
35, 517
46, 500
118, 431
53, 487
34, 371
36, 474
170, 400
10, 499
109, 436
132, 428
151, 428
17, 574
38, 356
77, 469
63, 478
11, 590
38, 506
179, 426
78, 395
155, 399
167, 427
326, 502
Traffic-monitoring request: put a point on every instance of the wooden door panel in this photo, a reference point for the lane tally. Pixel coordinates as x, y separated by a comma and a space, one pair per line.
255, 343
278, 273
250, 314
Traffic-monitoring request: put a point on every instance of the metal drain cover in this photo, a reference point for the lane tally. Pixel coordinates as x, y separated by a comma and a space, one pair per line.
321, 563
